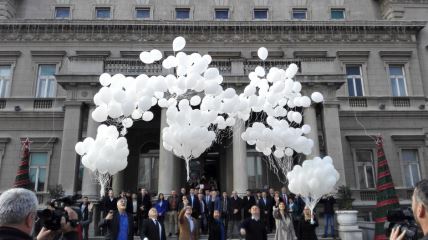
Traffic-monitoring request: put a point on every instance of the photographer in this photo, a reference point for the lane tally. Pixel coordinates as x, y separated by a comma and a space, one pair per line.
18, 212
66, 232
420, 211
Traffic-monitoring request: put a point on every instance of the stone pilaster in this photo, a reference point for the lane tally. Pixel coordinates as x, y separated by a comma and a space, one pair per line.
310, 118
69, 163
240, 174
168, 165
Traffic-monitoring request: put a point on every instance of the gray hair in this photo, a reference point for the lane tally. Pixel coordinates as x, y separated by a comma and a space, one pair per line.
15, 205
421, 192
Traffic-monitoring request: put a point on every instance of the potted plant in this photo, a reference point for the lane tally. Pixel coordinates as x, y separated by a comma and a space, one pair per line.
346, 216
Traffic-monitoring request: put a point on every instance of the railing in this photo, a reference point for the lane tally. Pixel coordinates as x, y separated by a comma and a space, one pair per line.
2, 103
357, 102
131, 67
368, 195
225, 67
250, 65
401, 102
365, 196
42, 103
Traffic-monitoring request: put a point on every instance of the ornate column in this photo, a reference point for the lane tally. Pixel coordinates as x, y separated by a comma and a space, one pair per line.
89, 186
168, 165
310, 118
68, 166
240, 175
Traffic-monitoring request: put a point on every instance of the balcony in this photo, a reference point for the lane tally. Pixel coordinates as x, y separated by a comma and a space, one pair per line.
131, 67
250, 65
384, 103
367, 197
31, 104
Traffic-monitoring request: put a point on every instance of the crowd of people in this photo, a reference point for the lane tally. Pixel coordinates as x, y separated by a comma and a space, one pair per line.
188, 214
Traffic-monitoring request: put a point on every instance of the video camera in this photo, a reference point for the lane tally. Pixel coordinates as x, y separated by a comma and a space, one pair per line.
51, 216
403, 219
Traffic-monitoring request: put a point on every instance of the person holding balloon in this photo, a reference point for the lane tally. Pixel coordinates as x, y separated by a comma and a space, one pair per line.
307, 226
284, 223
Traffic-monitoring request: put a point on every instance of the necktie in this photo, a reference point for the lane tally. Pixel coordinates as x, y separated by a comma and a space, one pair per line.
157, 227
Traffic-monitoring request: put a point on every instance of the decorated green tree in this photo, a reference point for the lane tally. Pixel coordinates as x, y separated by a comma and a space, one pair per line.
386, 196
22, 179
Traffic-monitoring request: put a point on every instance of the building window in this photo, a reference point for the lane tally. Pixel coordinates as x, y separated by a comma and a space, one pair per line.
148, 170
355, 80
103, 13
410, 167
398, 80
255, 171
365, 169
5, 79
300, 13
182, 13
261, 13
337, 13
142, 13
38, 165
222, 14
46, 83
62, 13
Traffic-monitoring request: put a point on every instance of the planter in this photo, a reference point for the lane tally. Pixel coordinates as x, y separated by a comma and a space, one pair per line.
347, 218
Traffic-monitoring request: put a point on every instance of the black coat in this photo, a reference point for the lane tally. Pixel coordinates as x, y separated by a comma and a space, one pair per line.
150, 231
146, 202
196, 208
255, 230
306, 230
265, 206
215, 230
247, 203
112, 226
236, 204
8, 233
228, 207
108, 205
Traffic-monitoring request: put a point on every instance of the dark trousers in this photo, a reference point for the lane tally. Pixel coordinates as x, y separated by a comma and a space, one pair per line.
85, 230
225, 220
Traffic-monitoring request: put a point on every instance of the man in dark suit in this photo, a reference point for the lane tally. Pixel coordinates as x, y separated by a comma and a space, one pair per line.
86, 213
265, 206
247, 202
152, 229
253, 228
194, 203
203, 213
144, 203
119, 223
217, 230
236, 215
225, 210
108, 203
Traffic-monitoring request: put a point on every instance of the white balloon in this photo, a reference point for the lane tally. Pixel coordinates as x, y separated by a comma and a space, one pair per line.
317, 97
260, 71
306, 129
262, 53
127, 122
105, 79
114, 109
195, 100
148, 116
100, 113
146, 57
136, 114
156, 54
178, 44
288, 152
79, 148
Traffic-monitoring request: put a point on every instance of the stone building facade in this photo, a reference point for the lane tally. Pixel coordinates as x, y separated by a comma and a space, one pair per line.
369, 58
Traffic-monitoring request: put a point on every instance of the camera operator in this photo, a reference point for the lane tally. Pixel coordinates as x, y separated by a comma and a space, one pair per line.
18, 212
66, 232
420, 211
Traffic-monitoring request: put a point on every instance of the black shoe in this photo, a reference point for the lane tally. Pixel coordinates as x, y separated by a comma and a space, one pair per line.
170, 234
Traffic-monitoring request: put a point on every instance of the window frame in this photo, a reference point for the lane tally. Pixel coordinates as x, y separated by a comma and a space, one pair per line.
136, 8
221, 9
103, 6
47, 167
183, 7
364, 164
403, 164
335, 9
261, 9
305, 9
153, 154
9, 81
403, 69
361, 76
38, 83
69, 13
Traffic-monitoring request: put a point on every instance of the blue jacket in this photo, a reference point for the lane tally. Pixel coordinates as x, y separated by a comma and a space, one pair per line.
161, 209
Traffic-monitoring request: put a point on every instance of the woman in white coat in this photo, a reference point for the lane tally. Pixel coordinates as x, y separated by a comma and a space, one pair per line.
284, 223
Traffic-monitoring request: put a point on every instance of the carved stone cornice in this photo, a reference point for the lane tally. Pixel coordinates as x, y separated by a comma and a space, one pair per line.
209, 31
